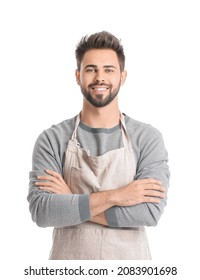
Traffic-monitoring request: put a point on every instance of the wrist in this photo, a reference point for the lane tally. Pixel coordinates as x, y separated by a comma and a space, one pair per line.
101, 201
115, 196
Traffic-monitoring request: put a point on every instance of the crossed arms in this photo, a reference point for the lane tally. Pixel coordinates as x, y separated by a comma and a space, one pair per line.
139, 203
137, 192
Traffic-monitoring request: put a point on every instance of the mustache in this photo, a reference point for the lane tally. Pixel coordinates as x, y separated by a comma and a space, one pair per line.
99, 84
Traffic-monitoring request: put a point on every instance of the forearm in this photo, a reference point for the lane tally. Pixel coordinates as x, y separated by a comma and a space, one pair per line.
144, 214
140, 198
53, 210
52, 205
56, 210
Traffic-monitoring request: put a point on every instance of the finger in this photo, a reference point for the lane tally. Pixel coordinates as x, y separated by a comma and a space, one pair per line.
55, 190
154, 187
150, 199
49, 189
154, 193
48, 178
150, 181
47, 184
55, 174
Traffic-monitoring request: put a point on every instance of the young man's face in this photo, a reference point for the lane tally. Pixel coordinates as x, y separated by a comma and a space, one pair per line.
100, 77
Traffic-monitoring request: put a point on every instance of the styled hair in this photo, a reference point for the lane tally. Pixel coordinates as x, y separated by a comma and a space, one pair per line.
100, 40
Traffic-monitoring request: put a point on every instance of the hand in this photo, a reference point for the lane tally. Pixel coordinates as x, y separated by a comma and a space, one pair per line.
140, 191
53, 183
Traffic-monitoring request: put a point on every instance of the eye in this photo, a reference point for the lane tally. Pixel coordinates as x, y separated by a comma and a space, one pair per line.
88, 70
109, 70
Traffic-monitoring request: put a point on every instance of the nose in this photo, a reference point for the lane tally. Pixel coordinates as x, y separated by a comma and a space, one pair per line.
99, 78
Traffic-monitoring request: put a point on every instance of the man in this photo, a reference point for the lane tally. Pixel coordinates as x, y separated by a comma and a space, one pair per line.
100, 177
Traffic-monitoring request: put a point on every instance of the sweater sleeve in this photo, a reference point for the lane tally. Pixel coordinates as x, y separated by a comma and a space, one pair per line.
152, 159
48, 209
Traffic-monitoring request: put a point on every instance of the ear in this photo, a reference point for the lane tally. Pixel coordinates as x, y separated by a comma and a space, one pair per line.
123, 77
77, 74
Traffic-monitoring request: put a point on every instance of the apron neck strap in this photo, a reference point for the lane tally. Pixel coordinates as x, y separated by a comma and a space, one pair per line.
77, 121
125, 136
122, 124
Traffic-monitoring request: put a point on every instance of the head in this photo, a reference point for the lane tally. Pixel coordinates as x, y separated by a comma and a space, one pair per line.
100, 40
100, 67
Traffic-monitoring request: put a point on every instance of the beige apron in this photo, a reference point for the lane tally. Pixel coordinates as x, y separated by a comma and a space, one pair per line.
85, 173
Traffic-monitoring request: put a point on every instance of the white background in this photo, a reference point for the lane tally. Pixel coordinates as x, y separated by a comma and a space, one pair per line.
162, 42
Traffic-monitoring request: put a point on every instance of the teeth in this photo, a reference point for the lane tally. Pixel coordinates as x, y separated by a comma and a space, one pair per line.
100, 89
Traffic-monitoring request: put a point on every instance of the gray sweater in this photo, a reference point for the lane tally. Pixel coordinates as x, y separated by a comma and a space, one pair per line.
59, 210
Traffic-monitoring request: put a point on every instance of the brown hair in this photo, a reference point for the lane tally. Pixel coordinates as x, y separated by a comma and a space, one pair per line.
100, 40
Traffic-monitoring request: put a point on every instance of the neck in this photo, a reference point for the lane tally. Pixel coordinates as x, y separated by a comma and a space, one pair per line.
103, 117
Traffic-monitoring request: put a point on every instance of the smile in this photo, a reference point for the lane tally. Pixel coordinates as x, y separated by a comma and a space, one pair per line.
99, 89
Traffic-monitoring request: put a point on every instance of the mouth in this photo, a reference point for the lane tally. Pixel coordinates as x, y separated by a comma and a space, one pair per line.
99, 89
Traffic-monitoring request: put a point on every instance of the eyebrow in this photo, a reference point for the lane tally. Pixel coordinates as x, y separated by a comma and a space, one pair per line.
95, 66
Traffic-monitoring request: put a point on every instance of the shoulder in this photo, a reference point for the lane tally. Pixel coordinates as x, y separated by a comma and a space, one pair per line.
141, 131
148, 146
147, 141
63, 128
58, 133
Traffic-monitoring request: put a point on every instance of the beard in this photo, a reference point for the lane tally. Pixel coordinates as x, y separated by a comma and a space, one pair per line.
99, 100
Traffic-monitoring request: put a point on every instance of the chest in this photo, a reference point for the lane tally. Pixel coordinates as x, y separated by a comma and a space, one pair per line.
99, 143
